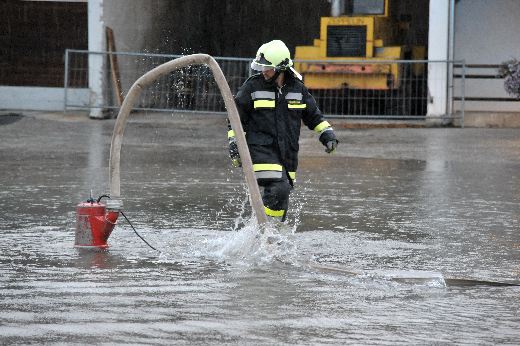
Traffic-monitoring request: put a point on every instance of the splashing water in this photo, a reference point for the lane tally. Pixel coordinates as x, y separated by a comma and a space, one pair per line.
254, 245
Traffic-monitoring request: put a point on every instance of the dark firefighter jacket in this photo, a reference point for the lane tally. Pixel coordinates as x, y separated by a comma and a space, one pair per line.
271, 118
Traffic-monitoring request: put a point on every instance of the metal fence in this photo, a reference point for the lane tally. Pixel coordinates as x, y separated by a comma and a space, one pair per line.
187, 89
397, 89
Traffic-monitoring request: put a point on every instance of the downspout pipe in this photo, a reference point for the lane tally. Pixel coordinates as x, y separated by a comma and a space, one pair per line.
451, 57
451, 43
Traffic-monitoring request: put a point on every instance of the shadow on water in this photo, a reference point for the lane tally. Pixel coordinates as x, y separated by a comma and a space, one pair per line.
98, 259
106, 259
9, 118
434, 279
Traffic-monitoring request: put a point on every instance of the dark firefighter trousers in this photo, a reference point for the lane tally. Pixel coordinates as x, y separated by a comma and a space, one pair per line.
276, 195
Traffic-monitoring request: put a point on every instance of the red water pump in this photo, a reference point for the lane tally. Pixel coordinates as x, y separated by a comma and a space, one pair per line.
95, 222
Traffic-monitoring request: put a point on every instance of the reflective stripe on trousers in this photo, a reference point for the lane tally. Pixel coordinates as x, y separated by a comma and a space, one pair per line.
268, 171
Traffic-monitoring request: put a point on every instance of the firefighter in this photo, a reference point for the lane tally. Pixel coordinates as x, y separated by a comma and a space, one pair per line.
272, 104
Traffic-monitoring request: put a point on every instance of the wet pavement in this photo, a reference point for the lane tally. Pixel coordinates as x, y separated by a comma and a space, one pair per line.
374, 234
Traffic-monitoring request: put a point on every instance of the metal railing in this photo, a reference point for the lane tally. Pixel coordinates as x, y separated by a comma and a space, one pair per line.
392, 89
481, 73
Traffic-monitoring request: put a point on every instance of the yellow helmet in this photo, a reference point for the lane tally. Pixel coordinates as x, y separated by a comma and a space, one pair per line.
272, 55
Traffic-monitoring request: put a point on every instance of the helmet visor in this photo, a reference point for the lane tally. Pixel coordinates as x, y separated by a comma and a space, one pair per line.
255, 65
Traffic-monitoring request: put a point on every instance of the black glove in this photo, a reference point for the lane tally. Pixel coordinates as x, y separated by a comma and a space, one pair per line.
233, 152
328, 139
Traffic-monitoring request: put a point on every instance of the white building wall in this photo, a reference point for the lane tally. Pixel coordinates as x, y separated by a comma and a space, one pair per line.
486, 32
438, 42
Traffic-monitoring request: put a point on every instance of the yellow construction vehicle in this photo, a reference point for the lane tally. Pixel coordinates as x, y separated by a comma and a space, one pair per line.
366, 31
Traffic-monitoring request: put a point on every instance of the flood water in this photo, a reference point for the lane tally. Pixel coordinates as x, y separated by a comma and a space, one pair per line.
374, 235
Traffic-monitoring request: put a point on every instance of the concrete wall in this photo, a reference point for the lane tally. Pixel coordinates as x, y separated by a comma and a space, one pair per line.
219, 28
40, 98
137, 24
486, 32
